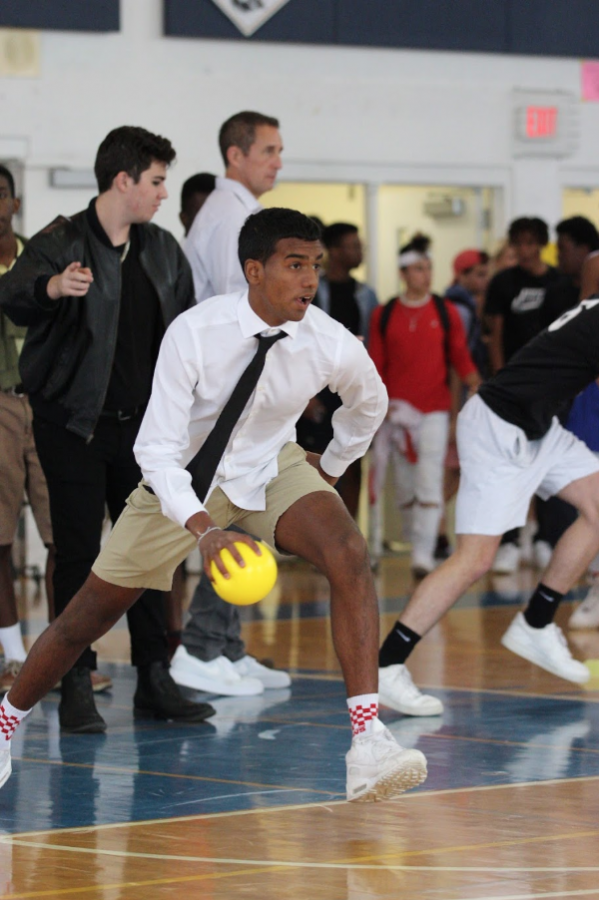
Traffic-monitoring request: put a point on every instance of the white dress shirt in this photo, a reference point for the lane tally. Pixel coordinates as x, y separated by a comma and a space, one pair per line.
204, 353
211, 245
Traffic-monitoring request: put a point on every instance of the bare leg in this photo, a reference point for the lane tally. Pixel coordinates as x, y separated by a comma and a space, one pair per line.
349, 487
8, 602
437, 593
90, 614
580, 542
319, 528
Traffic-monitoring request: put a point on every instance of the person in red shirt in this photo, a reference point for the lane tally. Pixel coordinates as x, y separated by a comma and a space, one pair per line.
413, 344
414, 341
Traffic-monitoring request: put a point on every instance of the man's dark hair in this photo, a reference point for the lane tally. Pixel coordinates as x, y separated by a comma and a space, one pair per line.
240, 131
132, 150
332, 235
529, 225
262, 231
7, 174
581, 231
202, 183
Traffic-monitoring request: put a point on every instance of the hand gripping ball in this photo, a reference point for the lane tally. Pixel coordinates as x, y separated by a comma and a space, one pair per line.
247, 584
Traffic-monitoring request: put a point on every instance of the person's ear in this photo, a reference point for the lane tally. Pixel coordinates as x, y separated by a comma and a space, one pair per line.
16, 205
121, 182
234, 156
254, 271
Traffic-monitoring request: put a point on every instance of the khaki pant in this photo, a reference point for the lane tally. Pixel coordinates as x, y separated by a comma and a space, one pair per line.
20, 470
145, 547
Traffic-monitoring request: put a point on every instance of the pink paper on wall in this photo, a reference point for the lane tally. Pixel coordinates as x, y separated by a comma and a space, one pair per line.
589, 72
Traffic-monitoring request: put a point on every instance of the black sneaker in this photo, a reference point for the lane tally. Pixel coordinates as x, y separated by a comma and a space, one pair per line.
77, 709
157, 696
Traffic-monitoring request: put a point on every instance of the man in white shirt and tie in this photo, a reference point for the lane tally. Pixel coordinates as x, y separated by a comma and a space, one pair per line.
263, 481
212, 656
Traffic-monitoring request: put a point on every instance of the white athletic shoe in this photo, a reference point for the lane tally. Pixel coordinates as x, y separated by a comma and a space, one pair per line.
541, 554
546, 647
507, 559
5, 766
219, 676
397, 690
378, 768
248, 667
587, 614
422, 564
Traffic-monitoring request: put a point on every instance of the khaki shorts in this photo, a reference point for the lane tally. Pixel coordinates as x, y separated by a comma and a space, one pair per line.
20, 471
145, 547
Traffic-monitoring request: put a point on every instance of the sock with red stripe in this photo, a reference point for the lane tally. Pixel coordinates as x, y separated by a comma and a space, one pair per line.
363, 710
10, 717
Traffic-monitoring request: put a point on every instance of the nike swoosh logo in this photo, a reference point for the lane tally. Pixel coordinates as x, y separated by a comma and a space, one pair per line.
402, 635
547, 597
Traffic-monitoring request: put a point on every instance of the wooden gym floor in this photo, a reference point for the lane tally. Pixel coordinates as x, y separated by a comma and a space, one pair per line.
251, 804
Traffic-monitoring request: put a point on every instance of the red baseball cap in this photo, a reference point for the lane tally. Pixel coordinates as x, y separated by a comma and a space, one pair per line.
467, 259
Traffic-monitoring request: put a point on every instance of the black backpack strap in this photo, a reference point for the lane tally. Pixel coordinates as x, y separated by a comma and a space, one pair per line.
445, 324
385, 316
460, 301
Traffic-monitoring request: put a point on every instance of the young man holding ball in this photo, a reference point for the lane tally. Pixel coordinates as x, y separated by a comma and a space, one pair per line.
263, 481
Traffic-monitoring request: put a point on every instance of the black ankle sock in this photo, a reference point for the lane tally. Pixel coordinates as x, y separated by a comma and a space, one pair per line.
542, 606
398, 645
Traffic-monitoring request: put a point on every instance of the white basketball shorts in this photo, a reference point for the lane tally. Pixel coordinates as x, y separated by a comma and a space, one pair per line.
501, 469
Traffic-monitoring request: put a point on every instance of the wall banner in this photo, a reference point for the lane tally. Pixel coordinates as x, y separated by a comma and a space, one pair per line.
249, 15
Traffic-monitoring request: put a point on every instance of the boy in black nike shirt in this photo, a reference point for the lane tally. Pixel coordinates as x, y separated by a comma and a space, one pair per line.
514, 309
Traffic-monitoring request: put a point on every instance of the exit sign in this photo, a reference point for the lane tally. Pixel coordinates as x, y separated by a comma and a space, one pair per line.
541, 121
545, 123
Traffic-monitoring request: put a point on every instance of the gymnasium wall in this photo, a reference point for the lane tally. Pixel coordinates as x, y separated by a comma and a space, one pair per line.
348, 114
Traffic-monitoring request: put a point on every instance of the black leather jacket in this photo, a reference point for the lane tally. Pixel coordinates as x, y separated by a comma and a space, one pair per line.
69, 349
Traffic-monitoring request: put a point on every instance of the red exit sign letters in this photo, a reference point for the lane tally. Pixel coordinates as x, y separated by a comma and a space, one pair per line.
541, 121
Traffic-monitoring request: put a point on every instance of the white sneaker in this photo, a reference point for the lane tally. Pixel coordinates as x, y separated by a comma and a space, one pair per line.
5, 766
541, 554
378, 768
587, 614
507, 559
422, 564
219, 676
248, 667
546, 647
397, 690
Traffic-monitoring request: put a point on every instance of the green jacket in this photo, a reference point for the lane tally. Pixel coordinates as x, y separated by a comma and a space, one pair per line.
11, 341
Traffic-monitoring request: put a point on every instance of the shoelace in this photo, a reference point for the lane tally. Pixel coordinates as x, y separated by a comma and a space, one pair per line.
559, 635
12, 667
408, 684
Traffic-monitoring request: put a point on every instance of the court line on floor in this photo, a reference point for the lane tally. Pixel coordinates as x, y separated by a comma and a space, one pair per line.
296, 864
123, 770
420, 795
219, 876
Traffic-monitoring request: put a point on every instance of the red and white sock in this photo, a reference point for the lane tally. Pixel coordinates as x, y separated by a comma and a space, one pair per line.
10, 717
363, 710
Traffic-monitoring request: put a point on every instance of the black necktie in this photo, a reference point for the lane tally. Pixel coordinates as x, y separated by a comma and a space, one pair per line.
205, 463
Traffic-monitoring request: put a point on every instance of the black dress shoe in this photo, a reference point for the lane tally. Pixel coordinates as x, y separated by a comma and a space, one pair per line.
77, 710
158, 697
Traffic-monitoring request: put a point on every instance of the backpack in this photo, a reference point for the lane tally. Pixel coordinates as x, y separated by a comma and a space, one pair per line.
443, 316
